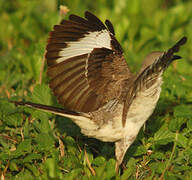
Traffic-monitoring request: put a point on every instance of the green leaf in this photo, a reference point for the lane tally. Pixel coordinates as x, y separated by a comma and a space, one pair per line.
14, 119
45, 142
71, 144
29, 158
131, 169
13, 166
71, 161
110, 169
74, 174
9, 114
182, 140
100, 171
176, 123
42, 94
188, 155
183, 111
189, 124
158, 155
51, 167
43, 126
163, 136
140, 150
178, 168
98, 161
33, 169
25, 146
157, 167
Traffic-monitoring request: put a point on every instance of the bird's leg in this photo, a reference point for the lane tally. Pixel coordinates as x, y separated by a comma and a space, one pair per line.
121, 147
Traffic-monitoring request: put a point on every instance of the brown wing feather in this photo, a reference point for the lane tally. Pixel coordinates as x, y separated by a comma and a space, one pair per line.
85, 63
110, 26
107, 73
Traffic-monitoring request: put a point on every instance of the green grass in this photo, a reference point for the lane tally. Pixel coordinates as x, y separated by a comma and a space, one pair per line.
38, 145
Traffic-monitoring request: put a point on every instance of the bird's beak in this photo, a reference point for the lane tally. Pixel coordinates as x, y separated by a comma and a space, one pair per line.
175, 57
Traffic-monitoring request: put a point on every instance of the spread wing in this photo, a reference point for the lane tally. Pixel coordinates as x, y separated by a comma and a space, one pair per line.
86, 65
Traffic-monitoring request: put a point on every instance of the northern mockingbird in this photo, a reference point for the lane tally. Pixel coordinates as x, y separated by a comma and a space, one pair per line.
90, 77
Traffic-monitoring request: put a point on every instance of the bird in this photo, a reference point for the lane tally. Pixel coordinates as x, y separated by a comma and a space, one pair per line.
90, 77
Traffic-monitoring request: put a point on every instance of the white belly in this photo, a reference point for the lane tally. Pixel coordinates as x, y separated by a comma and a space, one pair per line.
140, 110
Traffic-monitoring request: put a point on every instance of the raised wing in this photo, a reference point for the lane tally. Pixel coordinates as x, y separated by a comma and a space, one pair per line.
85, 63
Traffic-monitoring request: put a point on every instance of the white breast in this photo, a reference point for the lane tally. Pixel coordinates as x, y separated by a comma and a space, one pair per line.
139, 111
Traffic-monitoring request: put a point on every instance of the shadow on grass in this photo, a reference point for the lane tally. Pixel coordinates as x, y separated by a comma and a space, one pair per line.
97, 148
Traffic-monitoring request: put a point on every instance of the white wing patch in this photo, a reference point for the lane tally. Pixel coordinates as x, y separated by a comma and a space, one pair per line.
85, 45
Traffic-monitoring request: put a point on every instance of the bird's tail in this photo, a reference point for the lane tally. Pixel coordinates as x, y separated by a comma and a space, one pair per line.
163, 61
150, 74
169, 56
